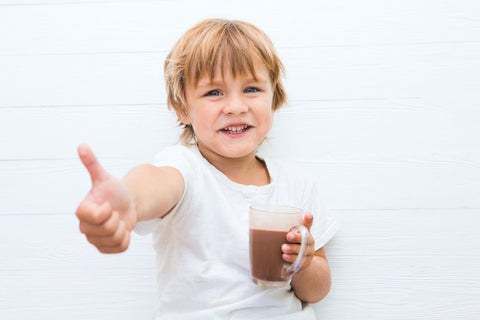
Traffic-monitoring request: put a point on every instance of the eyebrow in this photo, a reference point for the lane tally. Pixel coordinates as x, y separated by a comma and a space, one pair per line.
219, 81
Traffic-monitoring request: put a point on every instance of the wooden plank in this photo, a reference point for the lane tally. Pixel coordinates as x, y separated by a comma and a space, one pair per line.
404, 264
406, 233
48, 186
66, 26
50, 271
81, 79
390, 287
387, 128
436, 73
132, 131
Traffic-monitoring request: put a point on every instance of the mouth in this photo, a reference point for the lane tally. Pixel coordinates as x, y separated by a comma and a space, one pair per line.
236, 129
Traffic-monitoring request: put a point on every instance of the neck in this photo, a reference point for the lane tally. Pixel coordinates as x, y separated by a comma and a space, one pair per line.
247, 170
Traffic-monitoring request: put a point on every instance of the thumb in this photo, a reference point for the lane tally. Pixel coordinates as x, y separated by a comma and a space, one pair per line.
308, 220
97, 172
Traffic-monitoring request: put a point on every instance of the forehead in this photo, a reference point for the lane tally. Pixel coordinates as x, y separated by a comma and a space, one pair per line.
257, 71
230, 53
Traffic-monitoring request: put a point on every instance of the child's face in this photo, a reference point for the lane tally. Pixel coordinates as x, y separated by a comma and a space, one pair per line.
230, 116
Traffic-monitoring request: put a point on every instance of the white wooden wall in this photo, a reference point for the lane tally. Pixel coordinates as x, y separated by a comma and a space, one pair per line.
384, 109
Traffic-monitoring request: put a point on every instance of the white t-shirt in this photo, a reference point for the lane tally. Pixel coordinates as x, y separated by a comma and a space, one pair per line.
202, 245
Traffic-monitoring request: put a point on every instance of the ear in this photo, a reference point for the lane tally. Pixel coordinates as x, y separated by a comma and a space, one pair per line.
183, 117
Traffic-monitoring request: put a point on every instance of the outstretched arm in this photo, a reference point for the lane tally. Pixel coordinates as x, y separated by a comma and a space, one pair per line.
154, 190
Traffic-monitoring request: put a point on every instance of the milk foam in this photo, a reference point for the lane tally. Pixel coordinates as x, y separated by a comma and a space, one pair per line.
274, 217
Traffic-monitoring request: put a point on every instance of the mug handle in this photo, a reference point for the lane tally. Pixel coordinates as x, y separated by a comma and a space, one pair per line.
302, 254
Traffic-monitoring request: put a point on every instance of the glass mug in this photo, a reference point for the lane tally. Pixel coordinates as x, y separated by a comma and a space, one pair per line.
269, 225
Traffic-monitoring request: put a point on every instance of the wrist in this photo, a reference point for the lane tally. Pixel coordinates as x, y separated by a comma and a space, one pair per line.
131, 206
304, 269
313, 283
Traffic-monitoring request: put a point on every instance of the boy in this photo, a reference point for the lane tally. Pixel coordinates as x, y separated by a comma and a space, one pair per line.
223, 81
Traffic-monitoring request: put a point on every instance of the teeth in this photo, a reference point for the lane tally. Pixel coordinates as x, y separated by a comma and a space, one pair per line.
238, 129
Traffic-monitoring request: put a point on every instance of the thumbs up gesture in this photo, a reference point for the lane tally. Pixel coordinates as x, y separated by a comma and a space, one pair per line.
107, 214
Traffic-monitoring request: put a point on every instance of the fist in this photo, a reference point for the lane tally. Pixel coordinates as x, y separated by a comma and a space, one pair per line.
103, 227
106, 215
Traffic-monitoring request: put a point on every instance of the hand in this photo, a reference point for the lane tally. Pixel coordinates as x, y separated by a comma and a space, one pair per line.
107, 214
290, 250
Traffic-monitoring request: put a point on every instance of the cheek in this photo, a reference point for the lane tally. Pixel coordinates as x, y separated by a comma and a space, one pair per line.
201, 121
267, 116
269, 122
265, 121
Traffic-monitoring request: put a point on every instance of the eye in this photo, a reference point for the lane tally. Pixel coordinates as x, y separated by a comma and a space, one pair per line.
251, 90
213, 93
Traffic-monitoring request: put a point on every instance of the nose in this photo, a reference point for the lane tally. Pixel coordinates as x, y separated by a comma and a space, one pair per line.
235, 104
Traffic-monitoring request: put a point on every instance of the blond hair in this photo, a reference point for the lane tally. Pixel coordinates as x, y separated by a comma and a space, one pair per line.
216, 43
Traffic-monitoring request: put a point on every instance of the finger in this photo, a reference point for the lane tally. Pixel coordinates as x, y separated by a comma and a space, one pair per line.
294, 237
106, 228
297, 239
96, 171
116, 249
292, 254
113, 240
291, 248
294, 249
307, 220
289, 257
92, 213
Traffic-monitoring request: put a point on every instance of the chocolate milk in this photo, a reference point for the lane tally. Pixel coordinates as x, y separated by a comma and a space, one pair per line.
266, 254
269, 225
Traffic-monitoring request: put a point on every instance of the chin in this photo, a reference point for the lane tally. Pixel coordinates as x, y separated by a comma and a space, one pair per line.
239, 152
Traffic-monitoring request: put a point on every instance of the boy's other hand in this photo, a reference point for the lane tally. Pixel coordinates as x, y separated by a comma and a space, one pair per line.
290, 250
107, 214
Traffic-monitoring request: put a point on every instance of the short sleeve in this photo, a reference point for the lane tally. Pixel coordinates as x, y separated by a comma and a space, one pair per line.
324, 225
